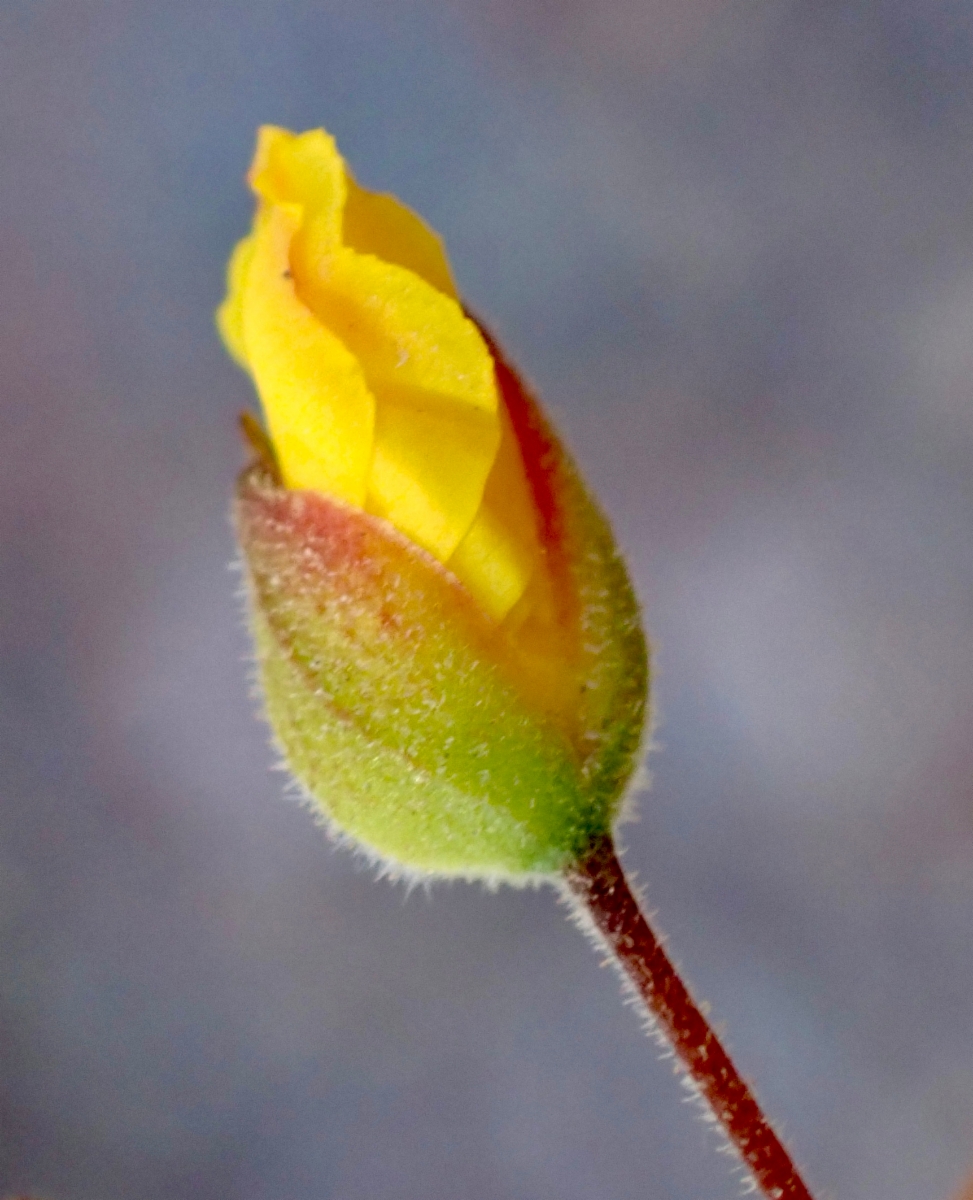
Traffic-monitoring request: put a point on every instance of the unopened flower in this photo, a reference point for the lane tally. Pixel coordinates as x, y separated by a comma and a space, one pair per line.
450, 649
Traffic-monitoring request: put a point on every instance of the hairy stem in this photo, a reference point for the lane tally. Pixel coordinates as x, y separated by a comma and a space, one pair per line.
601, 897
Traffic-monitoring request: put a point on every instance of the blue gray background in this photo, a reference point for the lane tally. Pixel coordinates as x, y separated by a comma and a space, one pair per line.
732, 242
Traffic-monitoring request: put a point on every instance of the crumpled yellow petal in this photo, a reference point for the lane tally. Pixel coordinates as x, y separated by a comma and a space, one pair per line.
320, 412
304, 169
377, 223
497, 556
307, 169
427, 468
377, 388
229, 315
438, 432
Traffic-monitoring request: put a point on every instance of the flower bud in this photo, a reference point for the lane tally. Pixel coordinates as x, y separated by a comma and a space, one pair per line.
450, 649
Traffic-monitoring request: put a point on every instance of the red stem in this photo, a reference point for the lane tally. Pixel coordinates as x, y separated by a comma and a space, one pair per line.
601, 895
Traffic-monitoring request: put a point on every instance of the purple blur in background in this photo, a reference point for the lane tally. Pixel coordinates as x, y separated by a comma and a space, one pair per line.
732, 243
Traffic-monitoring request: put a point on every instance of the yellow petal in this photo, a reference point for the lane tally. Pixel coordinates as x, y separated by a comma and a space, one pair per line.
379, 224
229, 315
429, 463
307, 168
425, 363
403, 330
491, 564
377, 388
319, 409
500, 551
304, 169
437, 428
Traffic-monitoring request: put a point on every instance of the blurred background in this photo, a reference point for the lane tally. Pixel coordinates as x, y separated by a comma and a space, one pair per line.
732, 244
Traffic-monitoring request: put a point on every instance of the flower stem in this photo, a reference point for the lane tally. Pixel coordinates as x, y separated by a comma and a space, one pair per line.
602, 900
